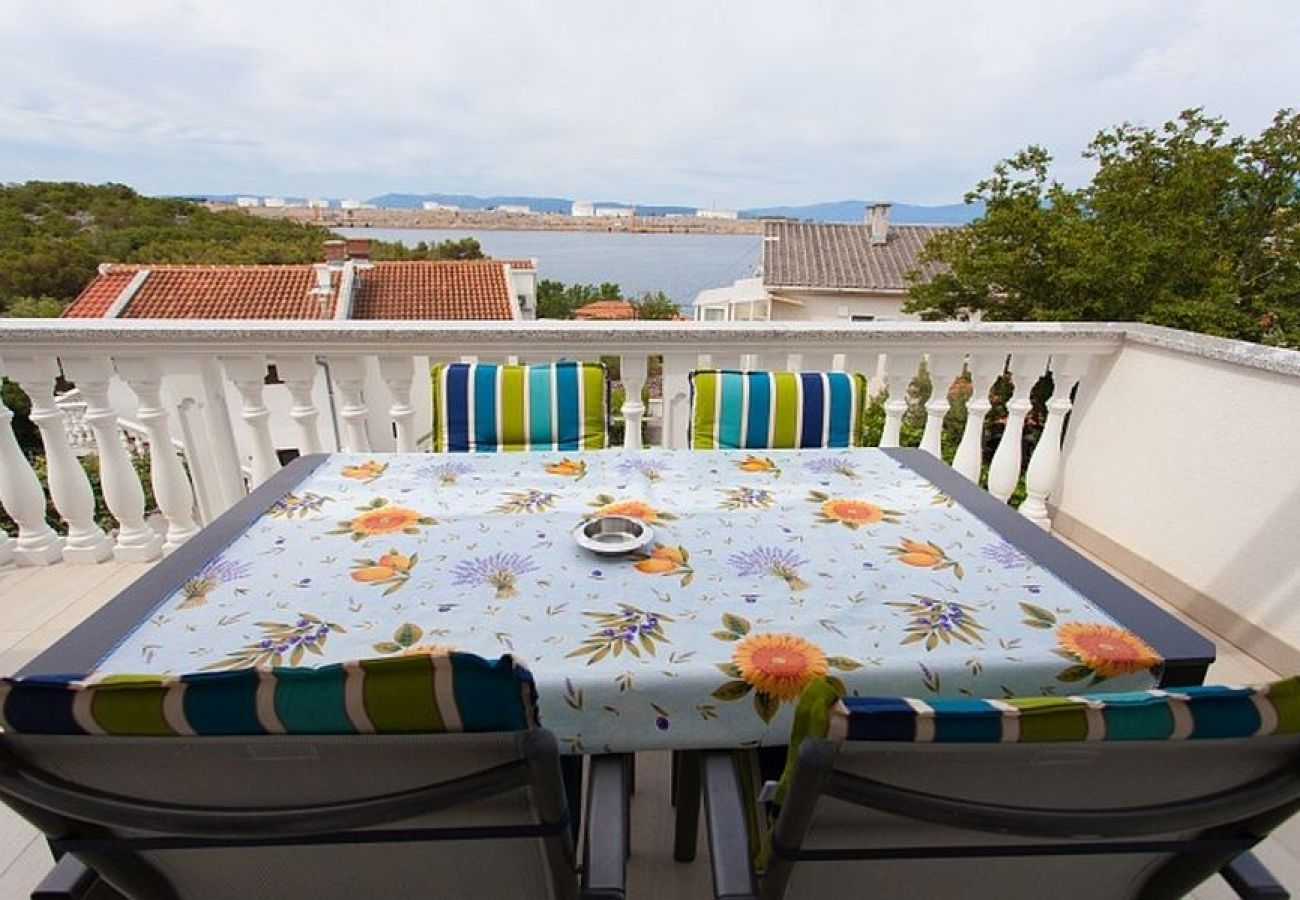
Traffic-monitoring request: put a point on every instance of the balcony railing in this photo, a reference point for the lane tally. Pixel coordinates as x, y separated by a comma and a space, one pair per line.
219, 404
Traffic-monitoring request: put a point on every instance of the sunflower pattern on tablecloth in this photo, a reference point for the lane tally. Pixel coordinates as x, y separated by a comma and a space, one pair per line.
767, 569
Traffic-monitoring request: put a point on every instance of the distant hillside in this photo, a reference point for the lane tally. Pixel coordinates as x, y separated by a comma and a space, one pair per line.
853, 211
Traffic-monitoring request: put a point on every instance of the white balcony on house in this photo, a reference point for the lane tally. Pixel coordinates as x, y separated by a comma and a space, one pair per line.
1169, 456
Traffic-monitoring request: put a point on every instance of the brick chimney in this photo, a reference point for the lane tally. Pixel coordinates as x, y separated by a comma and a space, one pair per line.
335, 253
358, 250
878, 220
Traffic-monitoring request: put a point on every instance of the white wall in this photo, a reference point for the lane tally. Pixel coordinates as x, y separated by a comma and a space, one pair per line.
1193, 465
831, 307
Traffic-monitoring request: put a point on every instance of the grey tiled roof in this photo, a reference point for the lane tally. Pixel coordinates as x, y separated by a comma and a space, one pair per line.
826, 255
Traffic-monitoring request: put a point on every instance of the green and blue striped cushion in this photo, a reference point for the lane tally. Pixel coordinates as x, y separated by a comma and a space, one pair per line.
480, 407
775, 410
1185, 713
426, 693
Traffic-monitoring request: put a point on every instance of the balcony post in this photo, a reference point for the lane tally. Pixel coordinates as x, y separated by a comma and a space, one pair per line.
248, 374
299, 374
69, 485
349, 373
969, 458
632, 368
1045, 464
1004, 470
123, 493
901, 371
676, 397
171, 486
23, 498
398, 373
943, 371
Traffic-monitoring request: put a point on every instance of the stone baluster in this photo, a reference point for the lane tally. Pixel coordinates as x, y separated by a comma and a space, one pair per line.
22, 497
676, 398
171, 486
248, 374
1004, 470
349, 373
299, 376
69, 487
123, 493
943, 369
969, 458
398, 372
902, 369
794, 362
632, 367
1045, 463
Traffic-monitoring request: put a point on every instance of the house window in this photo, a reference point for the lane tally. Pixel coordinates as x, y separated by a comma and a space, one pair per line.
862, 318
713, 313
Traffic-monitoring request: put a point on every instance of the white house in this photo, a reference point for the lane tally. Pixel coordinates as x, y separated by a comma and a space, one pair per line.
582, 209
247, 202
318, 203
716, 214
615, 212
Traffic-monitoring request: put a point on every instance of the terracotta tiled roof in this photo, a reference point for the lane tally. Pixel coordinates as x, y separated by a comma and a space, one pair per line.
519, 263
475, 289
468, 289
824, 255
606, 310
99, 295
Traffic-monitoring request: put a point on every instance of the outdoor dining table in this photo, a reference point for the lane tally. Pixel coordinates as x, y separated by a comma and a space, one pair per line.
882, 569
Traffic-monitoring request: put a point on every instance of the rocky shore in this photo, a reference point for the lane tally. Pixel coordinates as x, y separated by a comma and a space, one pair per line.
491, 220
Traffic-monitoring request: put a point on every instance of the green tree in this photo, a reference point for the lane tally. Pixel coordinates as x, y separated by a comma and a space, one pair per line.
656, 305
1182, 226
33, 308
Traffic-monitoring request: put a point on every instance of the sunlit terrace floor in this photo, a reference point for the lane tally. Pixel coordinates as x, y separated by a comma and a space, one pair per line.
37, 606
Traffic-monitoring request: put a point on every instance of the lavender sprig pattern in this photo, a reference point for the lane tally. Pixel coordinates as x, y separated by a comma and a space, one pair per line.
212, 576
746, 498
932, 621
298, 506
1004, 555
529, 501
649, 469
627, 629
776, 562
281, 641
447, 473
832, 465
501, 571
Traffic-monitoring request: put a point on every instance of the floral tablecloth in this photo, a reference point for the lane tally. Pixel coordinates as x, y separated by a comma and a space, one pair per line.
769, 569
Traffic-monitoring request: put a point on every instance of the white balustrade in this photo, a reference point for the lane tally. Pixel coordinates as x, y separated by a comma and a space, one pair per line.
69, 486
969, 458
6, 548
943, 368
22, 497
901, 371
248, 374
123, 495
192, 382
1004, 470
171, 487
349, 374
1045, 464
398, 372
299, 375
633, 368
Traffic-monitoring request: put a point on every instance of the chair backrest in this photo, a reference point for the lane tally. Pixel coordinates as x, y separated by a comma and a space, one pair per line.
1124, 795
481, 407
397, 778
776, 410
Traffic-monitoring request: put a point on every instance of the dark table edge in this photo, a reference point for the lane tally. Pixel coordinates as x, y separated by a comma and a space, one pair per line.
1187, 654
82, 648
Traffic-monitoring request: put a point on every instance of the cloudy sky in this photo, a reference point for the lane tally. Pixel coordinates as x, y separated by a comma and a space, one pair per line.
708, 103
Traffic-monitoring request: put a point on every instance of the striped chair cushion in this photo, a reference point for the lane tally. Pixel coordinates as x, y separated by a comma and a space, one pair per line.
429, 693
776, 410
478, 407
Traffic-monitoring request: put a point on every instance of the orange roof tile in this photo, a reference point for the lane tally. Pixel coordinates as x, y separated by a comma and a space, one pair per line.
519, 263
473, 289
99, 295
606, 309
463, 289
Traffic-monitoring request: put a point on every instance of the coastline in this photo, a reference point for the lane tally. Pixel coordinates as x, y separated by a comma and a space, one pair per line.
491, 220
